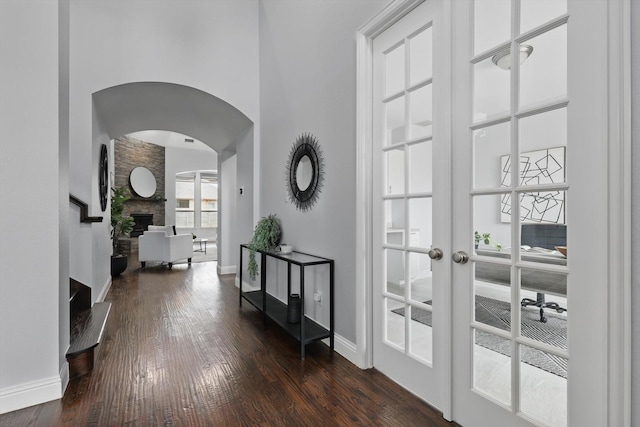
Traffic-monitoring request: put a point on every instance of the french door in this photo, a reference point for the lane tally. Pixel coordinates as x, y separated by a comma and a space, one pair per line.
488, 283
410, 78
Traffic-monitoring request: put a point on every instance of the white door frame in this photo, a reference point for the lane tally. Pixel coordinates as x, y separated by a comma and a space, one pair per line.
619, 186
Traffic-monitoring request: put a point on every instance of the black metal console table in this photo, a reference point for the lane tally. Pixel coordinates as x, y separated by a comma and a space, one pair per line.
307, 331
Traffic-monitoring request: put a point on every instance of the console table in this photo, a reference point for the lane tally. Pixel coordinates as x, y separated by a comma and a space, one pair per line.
307, 331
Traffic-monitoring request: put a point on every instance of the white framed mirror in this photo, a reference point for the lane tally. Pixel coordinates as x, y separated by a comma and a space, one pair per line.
143, 182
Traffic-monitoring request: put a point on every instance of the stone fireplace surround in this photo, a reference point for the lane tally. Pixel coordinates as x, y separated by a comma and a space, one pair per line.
130, 153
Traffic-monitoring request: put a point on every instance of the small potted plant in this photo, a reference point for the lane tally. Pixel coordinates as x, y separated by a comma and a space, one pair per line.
119, 225
486, 239
266, 236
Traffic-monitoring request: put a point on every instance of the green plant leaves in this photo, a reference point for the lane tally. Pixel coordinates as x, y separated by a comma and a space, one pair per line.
266, 236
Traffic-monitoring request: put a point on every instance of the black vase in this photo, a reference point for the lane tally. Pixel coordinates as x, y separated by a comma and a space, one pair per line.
118, 265
293, 309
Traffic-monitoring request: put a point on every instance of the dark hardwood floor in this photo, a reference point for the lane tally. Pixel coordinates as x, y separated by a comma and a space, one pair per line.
178, 351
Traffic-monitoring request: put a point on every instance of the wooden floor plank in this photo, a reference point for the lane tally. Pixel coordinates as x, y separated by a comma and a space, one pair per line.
178, 351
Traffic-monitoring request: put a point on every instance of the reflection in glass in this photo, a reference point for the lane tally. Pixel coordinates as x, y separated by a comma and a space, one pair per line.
421, 285
394, 322
491, 91
487, 223
537, 12
543, 374
545, 243
395, 272
395, 111
490, 144
394, 221
492, 366
421, 112
542, 139
394, 71
421, 54
537, 167
394, 161
420, 220
543, 78
540, 207
421, 165
491, 23
421, 333
492, 286
544, 301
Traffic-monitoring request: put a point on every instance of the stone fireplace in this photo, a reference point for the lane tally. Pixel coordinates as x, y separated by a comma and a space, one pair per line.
141, 224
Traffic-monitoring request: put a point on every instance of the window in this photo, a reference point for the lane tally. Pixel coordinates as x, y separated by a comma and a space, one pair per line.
185, 198
197, 199
209, 200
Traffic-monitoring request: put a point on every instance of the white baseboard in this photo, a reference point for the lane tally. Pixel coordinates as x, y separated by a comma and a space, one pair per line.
105, 289
31, 393
64, 376
344, 347
226, 269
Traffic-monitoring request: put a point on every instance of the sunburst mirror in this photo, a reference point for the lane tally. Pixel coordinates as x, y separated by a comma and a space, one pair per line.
305, 172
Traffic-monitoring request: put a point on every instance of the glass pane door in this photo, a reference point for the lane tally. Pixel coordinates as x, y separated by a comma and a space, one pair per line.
407, 198
406, 144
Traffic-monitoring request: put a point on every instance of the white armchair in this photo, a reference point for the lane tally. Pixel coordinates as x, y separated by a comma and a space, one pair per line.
159, 243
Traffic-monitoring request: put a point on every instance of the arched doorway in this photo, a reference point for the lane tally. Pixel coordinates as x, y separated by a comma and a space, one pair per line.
138, 106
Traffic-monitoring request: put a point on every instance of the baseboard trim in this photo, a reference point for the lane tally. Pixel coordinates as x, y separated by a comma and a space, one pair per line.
64, 375
105, 290
344, 347
226, 269
30, 393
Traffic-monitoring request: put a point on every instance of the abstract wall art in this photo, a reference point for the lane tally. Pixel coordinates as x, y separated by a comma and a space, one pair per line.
536, 167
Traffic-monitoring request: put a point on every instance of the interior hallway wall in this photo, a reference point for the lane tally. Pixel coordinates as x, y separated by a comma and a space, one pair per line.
30, 193
635, 212
308, 85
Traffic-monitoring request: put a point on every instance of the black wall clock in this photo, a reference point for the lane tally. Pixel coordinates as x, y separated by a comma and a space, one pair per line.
104, 177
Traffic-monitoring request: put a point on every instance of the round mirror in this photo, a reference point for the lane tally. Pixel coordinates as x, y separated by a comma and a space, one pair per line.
143, 182
304, 173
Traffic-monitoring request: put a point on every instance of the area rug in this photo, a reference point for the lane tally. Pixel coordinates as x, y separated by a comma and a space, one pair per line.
198, 256
498, 314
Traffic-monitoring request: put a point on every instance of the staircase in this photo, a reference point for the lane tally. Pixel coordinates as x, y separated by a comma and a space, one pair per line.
87, 323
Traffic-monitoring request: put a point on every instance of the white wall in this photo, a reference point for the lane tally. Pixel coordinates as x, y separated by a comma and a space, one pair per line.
228, 209
635, 209
308, 84
29, 197
244, 221
63, 190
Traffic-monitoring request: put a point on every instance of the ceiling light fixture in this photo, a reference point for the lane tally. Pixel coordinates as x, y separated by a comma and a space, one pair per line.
503, 58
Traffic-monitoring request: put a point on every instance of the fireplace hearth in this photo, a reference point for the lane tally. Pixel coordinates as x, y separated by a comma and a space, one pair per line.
142, 222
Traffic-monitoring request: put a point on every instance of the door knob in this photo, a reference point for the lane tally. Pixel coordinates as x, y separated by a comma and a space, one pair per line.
460, 257
435, 253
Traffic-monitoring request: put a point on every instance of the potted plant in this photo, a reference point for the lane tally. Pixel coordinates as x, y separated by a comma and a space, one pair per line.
119, 225
486, 239
266, 236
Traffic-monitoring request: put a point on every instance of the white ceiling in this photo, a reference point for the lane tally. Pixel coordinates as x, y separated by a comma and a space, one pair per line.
169, 139
141, 106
